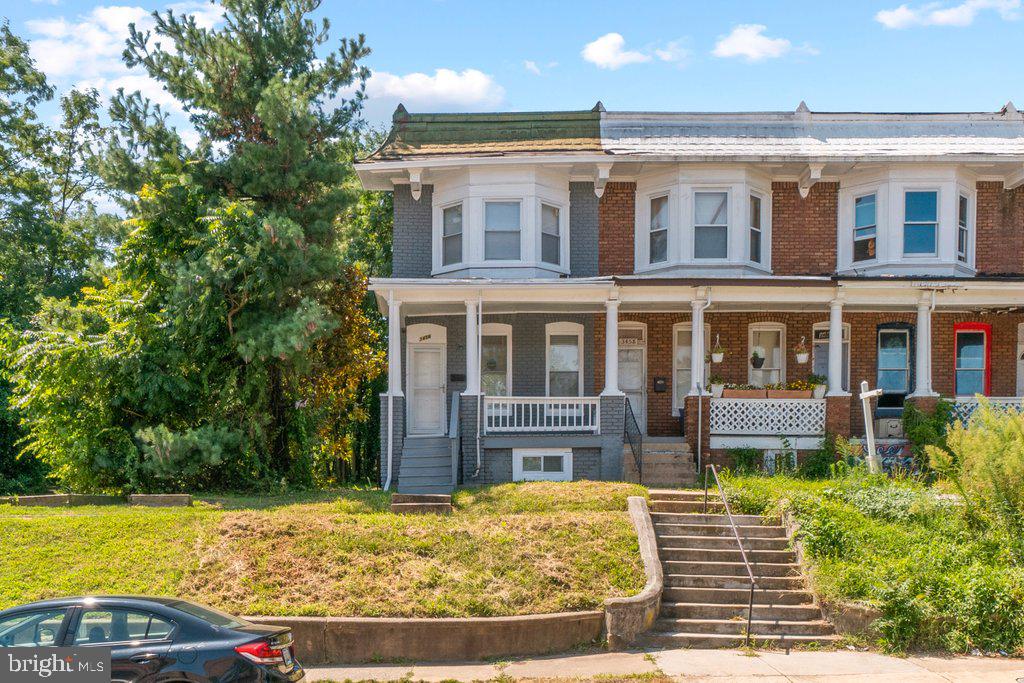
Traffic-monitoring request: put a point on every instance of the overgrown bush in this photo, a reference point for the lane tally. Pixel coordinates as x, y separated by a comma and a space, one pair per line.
818, 463
746, 460
924, 429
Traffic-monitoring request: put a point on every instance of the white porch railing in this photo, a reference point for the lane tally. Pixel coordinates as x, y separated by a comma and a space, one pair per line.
768, 416
964, 406
524, 414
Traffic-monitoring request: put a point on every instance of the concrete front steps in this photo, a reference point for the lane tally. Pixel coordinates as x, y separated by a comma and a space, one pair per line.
419, 503
707, 588
426, 465
667, 463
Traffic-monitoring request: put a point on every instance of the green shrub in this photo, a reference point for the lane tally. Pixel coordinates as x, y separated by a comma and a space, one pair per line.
746, 460
817, 464
825, 533
926, 429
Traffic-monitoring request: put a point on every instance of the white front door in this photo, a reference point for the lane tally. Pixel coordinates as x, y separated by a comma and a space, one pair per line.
426, 389
632, 382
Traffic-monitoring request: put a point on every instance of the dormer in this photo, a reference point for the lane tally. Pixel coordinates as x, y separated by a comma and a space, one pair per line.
907, 220
703, 220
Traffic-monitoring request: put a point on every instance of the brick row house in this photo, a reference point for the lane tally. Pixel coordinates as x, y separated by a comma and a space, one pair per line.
572, 289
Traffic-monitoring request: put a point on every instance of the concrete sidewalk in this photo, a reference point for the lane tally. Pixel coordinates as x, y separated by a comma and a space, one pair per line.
839, 666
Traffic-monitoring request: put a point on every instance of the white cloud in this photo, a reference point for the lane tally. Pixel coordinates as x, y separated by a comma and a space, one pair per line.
749, 42
532, 67
673, 52
445, 90
607, 52
934, 14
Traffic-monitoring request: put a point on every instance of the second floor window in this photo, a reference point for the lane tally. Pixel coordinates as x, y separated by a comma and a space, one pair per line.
711, 225
920, 221
550, 238
451, 239
755, 229
865, 228
659, 229
501, 231
962, 230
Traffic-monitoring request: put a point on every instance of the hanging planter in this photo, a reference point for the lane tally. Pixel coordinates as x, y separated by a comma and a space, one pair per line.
802, 354
717, 352
756, 361
717, 386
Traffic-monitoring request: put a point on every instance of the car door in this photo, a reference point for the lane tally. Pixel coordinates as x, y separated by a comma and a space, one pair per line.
34, 628
138, 640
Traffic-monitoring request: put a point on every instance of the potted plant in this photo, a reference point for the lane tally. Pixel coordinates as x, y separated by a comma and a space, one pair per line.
743, 391
802, 354
717, 385
819, 384
757, 357
796, 389
717, 352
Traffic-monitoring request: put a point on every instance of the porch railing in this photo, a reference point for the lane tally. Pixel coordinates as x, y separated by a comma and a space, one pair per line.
529, 414
768, 416
964, 406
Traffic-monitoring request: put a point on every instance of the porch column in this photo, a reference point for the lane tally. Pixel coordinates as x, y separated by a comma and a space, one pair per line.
696, 346
611, 348
394, 346
923, 366
835, 349
472, 349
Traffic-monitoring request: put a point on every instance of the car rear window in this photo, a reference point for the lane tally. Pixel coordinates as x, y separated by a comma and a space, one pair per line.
210, 615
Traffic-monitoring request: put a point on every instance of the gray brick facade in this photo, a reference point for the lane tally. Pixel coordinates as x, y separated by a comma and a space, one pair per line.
582, 230
411, 250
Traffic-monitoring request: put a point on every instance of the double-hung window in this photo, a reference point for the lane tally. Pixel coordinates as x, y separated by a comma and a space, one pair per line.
894, 361
711, 225
658, 245
451, 238
550, 235
920, 222
564, 359
865, 227
962, 229
502, 228
768, 342
755, 228
972, 358
495, 359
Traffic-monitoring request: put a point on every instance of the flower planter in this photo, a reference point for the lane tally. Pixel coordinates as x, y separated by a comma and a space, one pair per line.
819, 390
757, 362
717, 357
802, 357
744, 393
788, 393
717, 389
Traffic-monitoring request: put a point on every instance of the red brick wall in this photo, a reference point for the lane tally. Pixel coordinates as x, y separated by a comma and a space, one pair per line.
804, 230
616, 218
1000, 222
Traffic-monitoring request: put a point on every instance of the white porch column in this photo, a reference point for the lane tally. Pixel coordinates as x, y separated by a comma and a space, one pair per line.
611, 348
696, 346
394, 346
835, 349
472, 349
923, 367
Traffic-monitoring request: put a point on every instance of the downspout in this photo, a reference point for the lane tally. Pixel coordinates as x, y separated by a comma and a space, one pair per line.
479, 396
700, 384
391, 402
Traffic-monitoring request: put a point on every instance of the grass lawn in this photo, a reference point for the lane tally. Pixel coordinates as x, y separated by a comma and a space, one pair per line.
509, 549
940, 581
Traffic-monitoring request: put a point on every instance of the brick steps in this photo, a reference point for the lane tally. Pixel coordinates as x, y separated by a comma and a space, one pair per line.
707, 585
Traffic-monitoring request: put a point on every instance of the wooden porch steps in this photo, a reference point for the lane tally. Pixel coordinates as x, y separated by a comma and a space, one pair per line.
667, 463
707, 588
426, 465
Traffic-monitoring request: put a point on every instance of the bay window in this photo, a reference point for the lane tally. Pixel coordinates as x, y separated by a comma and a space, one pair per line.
768, 342
920, 223
972, 344
564, 359
451, 236
502, 229
755, 228
551, 235
865, 227
962, 228
711, 225
658, 249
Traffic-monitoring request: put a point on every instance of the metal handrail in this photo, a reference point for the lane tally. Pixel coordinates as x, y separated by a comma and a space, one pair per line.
635, 439
739, 542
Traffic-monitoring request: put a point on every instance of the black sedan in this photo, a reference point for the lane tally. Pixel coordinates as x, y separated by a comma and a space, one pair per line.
157, 639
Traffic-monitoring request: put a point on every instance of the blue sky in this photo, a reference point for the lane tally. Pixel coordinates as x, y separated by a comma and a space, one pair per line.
455, 55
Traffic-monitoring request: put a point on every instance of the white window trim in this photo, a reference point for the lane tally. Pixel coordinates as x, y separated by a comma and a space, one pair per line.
729, 228
484, 231
517, 464
908, 187
854, 227
559, 329
540, 233
783, 351
969, 246
688, 327
750, 226
499, 330
825, 325
668, 195
878, 356
462, 235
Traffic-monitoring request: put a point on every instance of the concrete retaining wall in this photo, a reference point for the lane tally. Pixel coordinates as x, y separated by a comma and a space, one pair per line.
627, 618
338, 640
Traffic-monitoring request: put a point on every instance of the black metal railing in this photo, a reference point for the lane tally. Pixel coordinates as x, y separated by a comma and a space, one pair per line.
635, 438
739, 542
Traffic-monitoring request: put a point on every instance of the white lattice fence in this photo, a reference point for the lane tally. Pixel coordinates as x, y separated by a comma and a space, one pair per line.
963, 408
768, 416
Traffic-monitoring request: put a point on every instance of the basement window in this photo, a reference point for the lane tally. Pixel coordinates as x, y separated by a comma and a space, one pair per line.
542, 464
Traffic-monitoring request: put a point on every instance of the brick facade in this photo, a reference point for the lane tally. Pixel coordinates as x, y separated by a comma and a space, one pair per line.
617, 216
804, 230
1000, 229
